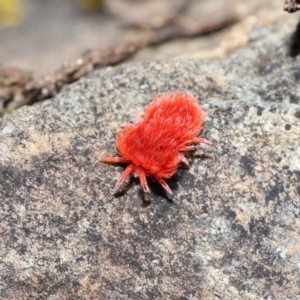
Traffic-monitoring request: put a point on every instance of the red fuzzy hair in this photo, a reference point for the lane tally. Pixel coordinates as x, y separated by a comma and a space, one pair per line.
155, 146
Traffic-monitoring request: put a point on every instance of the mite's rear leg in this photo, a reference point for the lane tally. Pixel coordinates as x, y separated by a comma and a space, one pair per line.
129, 169
138, 117
164, 185
125, 125
113, 160
143, 180
184, 161
188, 148
202, 141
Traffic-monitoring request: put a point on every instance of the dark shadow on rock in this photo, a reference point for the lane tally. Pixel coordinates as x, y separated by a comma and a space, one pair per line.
180, 176
157, 190
146, 199
125, 188
294, 44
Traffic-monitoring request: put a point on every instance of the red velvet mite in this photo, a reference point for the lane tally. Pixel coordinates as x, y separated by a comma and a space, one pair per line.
155, 145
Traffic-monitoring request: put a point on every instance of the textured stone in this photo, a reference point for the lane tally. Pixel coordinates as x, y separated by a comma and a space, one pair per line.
232, 229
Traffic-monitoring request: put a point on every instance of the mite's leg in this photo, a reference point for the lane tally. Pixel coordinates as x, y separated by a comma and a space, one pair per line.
129, 169
138, 117
143, 181
184, 161
163, 184
113, 159
125, 125
202, 141
187, 148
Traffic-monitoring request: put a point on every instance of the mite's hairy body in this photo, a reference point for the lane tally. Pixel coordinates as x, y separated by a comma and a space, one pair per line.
155, 145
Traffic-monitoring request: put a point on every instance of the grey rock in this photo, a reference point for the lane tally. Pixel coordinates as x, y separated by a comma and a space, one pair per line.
232, 229
258, 32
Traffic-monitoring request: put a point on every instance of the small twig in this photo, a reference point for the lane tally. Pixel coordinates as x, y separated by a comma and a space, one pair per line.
291, 6
19, 87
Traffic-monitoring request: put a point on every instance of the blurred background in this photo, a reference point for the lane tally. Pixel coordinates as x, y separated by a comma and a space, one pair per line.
41, 34
52, 38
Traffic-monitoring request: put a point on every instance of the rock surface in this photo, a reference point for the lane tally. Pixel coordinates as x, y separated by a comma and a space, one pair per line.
232, 229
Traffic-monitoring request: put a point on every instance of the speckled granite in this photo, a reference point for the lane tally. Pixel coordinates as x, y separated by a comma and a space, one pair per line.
232, 230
